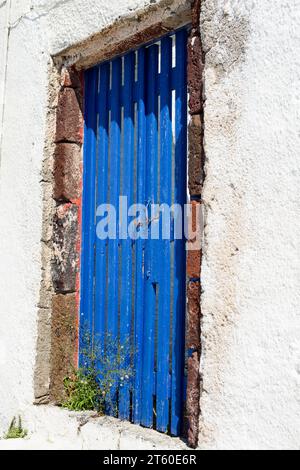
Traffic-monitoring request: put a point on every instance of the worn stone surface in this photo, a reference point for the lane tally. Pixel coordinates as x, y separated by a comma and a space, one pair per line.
67, 172
43, 343
64, 264
195, 155
196, 216
193, 263
63, 345
195, 69
193, 307
138, 25
53, 427
193, 398
42, 364
196, 6
69, 117
70, 77
147, 34
194, 74
195, 220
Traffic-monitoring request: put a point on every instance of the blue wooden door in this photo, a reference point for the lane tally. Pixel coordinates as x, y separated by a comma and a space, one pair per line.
133, 283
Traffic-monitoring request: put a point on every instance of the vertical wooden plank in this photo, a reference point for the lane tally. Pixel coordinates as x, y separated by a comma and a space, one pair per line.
162, 396
151, 196
88, 216
126, 268
114, 183
178, 326
102, 184
140, 243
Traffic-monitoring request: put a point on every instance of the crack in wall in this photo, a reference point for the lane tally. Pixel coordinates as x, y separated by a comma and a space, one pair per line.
35, 8
6, 48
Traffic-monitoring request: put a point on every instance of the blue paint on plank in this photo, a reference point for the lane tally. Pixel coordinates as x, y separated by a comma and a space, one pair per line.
126, 269
178, 326
102, 185
114, 183
163, 346
140, 243
88, 216
151, 195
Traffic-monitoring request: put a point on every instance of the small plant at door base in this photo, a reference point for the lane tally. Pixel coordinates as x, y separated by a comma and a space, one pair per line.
82, 391
106, 368
16, 430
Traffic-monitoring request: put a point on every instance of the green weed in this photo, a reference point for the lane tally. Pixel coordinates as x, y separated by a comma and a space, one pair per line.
106, 369
16, 431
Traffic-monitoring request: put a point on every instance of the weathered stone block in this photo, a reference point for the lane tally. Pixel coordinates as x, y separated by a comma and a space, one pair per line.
194, 74
195, 228
64, 342
193, 298
67, 172
64, 264
69, 117
42, 364
196, 5
193, 398
70, 77
193, 263
195, 161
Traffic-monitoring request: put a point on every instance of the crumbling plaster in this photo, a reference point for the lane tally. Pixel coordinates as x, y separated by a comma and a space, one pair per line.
250, 270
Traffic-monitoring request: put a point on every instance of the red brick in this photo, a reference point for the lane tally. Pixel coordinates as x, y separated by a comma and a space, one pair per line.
67, 172
69, 117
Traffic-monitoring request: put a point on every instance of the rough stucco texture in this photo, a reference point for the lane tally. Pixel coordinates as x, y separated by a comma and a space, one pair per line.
250, 361
250, 273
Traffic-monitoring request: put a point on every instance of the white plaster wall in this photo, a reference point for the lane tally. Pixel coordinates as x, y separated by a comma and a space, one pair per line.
23, 127
251, 275
250, 306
